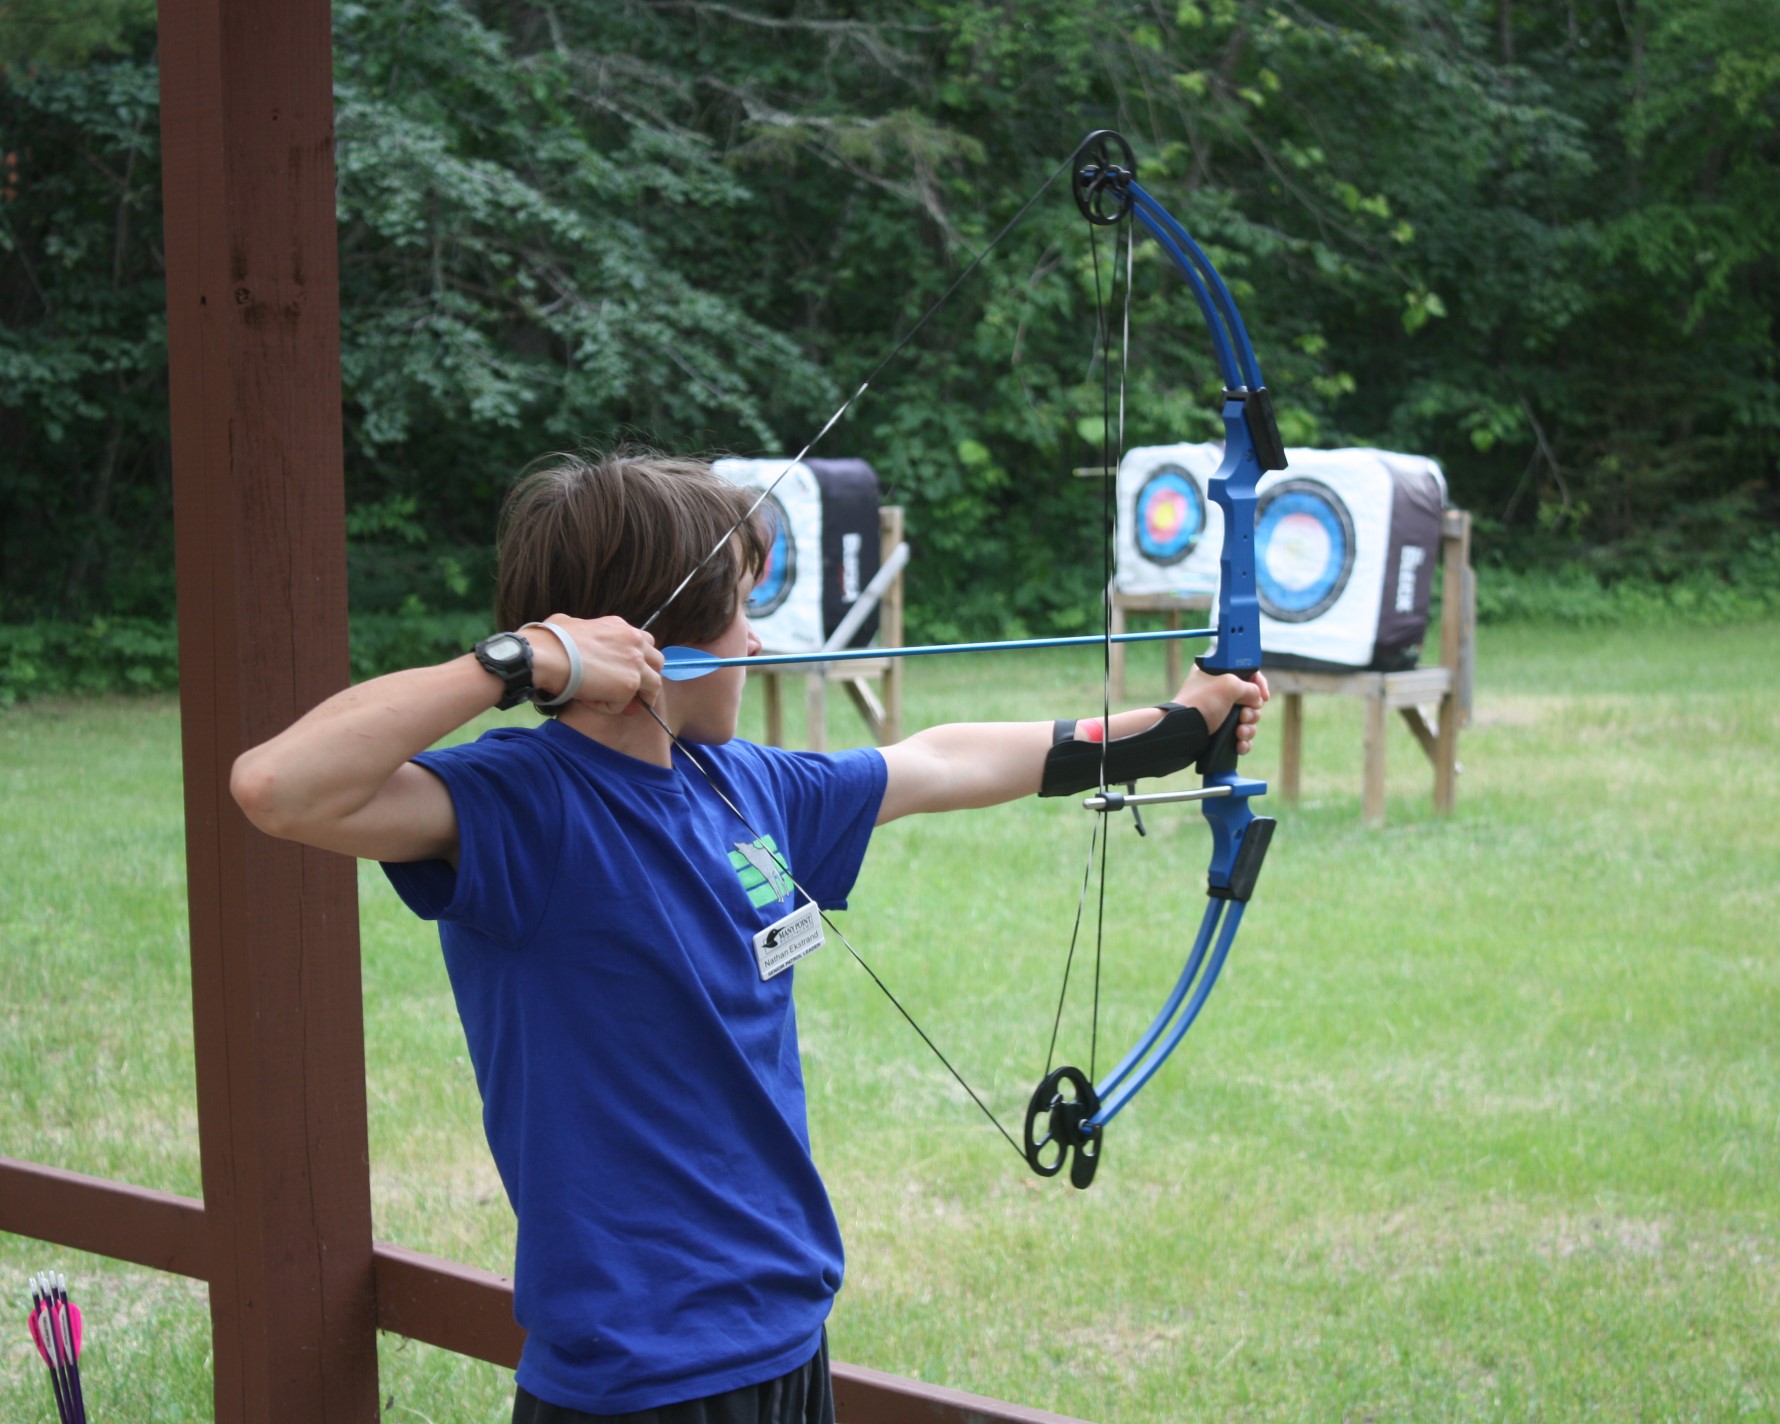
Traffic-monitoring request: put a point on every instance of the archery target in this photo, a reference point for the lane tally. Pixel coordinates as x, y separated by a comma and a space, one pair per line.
1169, 515
1346, 546
1169, 531
1334, 533
778, 576
786, 606
1304, 550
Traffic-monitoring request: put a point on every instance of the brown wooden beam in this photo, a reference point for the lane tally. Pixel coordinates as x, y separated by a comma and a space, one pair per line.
155, 1229
447, 1304
863, 1396
259, 528
470, 1311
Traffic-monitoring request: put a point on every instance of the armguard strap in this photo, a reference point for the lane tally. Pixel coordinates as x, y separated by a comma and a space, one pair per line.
1174, 742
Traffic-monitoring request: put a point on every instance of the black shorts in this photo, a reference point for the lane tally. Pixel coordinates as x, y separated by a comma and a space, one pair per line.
805, 1396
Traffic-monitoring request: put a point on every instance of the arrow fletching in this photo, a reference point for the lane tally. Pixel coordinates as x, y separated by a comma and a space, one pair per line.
37, 1333
684, 664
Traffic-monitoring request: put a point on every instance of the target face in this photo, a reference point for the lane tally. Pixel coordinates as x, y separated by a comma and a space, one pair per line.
779, 573
1304, 540
1170, 514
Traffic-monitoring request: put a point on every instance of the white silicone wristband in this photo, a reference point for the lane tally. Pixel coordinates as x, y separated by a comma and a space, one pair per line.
567, 695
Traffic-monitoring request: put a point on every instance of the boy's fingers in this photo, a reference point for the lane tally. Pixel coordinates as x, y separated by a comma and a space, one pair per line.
1248, 694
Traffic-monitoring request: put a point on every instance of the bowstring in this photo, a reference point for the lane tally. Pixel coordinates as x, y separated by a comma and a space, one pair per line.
1112, 447
1110, 513
748, 514
1109, 564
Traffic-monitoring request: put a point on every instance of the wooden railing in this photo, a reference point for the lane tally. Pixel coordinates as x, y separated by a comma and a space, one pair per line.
427, 1298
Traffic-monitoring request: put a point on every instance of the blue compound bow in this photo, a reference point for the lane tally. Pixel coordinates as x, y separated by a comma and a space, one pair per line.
1068, 1113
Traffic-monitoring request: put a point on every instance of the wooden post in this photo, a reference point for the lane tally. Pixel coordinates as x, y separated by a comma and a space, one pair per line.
890, 633
1454, 623
1170, 606
1291, 749
1372, 772
773, 694
1116, 656
259, 519
815, 711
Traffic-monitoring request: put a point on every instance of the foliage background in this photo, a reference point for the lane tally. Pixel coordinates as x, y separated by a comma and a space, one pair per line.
1535, 241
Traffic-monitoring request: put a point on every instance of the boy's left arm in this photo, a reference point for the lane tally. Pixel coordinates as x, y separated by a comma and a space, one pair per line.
969, 764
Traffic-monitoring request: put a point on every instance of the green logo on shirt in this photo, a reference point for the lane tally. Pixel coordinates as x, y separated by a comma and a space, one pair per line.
764, 872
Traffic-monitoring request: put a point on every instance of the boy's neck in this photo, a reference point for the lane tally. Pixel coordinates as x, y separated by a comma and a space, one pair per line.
636, 734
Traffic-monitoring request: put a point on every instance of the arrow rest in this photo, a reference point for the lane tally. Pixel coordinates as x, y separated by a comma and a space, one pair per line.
1068, 1133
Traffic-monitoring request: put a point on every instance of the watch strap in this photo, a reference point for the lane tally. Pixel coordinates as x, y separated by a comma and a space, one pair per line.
515, 673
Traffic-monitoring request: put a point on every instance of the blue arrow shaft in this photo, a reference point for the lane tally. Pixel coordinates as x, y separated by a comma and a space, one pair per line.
681, 667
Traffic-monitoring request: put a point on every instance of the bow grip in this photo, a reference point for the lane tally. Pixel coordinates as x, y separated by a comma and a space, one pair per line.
1239, 838
1219, 757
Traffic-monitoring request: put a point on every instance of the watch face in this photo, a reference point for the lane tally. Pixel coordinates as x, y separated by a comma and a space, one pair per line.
504, 648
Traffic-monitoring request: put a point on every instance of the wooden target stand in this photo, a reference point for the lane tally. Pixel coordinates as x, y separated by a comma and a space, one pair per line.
298, 1288
880, 707
1434, 702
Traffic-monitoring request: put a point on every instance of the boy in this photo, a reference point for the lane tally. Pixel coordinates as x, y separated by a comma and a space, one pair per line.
609, 885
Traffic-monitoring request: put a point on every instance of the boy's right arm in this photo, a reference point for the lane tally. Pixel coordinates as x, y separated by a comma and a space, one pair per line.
341, 777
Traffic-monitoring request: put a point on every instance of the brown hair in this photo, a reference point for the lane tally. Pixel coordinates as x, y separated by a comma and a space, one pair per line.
596, 535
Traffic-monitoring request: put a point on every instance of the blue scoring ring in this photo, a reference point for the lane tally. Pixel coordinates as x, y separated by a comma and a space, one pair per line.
1304, 550
780, 571
1169, 515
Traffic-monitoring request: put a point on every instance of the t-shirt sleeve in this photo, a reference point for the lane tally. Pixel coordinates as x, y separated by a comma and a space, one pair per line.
831, 805
508, 814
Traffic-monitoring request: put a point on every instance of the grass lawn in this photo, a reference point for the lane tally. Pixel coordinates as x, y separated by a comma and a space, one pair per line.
1483, 1121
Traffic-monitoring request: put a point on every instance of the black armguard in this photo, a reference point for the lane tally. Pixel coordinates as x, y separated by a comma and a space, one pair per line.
1174, 742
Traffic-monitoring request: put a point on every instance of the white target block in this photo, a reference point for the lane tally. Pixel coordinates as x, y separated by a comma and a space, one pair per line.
1169, 531
823, 515
786, 606
1345, 546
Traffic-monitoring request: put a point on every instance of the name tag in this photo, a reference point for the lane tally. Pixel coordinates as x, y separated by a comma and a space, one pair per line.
784, 942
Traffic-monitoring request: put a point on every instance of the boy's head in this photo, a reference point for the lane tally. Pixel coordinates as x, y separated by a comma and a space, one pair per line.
599, 535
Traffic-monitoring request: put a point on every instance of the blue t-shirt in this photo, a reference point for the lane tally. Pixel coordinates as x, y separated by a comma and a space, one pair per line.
640, 1083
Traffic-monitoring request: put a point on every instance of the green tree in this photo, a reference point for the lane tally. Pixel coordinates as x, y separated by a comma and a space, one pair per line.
1536, 241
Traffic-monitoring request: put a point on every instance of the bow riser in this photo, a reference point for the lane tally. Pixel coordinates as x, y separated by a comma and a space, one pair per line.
1232, 489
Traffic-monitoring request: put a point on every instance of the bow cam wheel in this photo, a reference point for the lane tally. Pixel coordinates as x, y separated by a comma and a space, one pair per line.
1058, 1130
1105, 168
